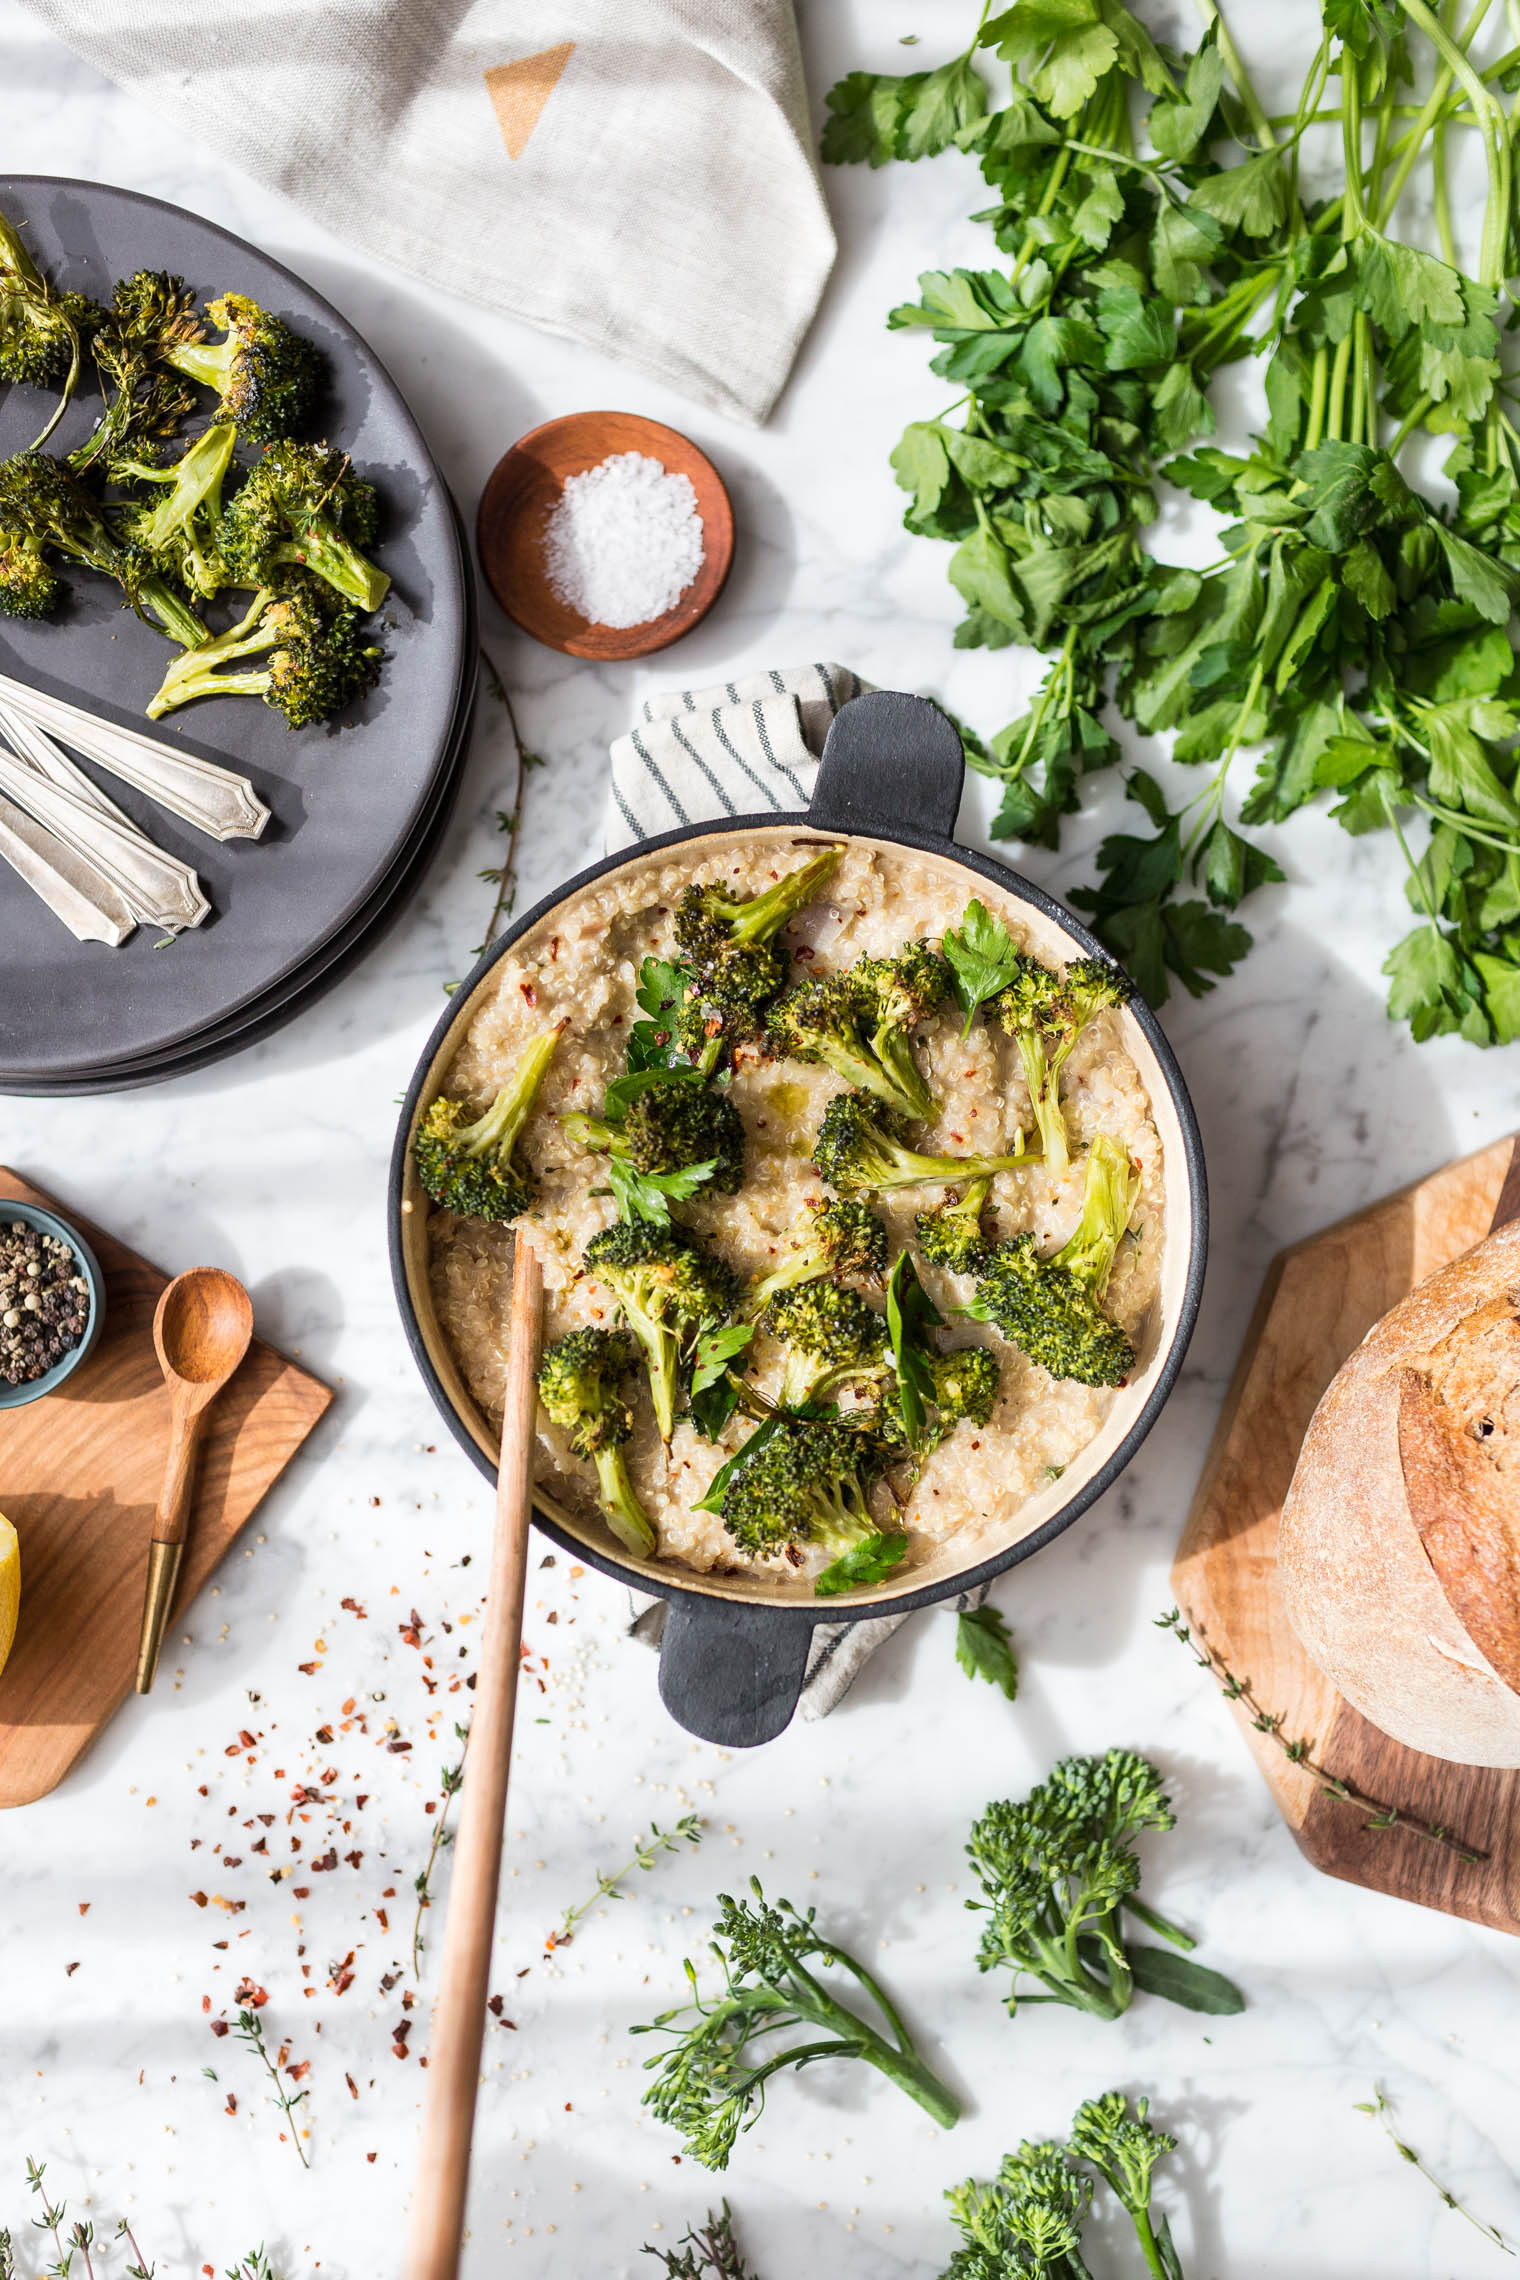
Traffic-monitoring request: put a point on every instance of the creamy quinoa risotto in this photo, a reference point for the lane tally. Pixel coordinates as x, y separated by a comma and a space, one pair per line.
584, 970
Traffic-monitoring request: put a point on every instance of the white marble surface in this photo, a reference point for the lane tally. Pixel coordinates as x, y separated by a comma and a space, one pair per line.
1311, 1104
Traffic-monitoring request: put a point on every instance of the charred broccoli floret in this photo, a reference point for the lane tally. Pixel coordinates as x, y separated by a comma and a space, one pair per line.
44, 511
265, 374
181, 529
962, 1385
1045, 1013
859, 1150
578, 1382
808, 1484
151, 313
670, 1125
1052, 1306
41, 332
468, 1164
668, 1288
833, 1338
727, 941
301, 506
950, 1233
860, 1024
317, 659
835, 1238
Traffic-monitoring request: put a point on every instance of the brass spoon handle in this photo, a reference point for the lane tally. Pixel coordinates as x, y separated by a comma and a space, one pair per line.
167, 1549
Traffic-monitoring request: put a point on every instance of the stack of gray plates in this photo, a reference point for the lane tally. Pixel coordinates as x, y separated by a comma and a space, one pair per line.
357, 810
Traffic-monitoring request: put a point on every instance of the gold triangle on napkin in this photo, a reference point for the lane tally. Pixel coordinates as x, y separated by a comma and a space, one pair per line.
519, 91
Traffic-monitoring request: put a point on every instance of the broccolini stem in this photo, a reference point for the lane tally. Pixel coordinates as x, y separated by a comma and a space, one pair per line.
1159, 1923
900, 2066
1150, 2247
877, 1993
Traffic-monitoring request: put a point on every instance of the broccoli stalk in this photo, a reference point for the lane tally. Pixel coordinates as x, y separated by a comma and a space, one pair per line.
859, 1151
710, 2083
837, 1237
1045, 1014
468, 1165
265, 374
1057, 1867
318, 662
727, 943
860, 1024
183, 526
46, 510
578, 1385
40, 330
1125, 2148
1052, 1306
668, 1288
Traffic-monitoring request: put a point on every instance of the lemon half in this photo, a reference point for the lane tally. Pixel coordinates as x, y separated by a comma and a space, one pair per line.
10, 1586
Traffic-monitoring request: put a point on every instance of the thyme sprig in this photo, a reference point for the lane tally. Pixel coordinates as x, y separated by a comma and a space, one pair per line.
448, 1789
645, 1853
1380, 1815
250, 2032
1381, 2111
81, 2239
707, 2252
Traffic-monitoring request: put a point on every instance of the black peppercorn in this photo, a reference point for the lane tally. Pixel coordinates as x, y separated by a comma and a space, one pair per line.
44, 1302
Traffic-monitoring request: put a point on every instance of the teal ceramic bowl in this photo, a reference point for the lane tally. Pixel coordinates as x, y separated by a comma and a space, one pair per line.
49, 1223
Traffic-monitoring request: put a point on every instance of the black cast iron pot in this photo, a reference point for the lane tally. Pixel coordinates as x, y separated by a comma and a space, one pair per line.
735, 1648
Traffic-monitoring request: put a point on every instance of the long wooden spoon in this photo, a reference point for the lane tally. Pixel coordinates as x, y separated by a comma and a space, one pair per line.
443, 2173
201, 1329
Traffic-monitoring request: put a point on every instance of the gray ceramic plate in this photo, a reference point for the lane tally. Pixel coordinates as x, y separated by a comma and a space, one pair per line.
346, 801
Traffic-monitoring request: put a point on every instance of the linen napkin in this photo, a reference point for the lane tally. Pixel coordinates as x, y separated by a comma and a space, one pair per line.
695, 755
638, 177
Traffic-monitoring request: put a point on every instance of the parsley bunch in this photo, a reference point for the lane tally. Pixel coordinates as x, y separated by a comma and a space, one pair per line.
1353, 629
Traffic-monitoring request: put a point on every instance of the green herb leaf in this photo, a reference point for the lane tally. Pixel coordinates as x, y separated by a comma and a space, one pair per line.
869, 1562
1161, 1971
981, 957
751, 1447
910, 1312
715, 1348
1069, 46
649, 1195
985, 1649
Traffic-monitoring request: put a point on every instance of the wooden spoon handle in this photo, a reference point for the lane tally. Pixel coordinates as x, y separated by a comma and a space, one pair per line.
166, 1549
443, 2172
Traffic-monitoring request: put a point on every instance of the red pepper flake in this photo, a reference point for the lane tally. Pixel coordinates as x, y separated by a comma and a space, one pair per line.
229, 2108
354, 1859
199, 1898
329, 1859
354, 1609
266, 1818
69, 1970
397, 1748
323, 1734
310, 1668
84, 1907
300, 1891
329, 1776
205, 2002
374, 1500
530, 995
220, 2027
369, 2157
353, 2087
232, 1860
299, 2073
233, 1749
251, 1995
398, 2039
388, 1979
411, 1631
804, 954
342, 1978
362, 1799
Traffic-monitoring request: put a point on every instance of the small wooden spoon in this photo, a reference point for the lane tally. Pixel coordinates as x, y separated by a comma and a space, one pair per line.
201, 1330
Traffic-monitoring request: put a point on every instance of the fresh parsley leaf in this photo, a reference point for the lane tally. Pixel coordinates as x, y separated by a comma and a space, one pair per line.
910, 1312
984, 1648
712, 1408
649, 1195
1067, 43
869, 1562
715, 1349
663, 985
981, 958
874, 116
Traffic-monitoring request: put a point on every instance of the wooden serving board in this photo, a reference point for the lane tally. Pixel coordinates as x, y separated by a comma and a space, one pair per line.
1319, 1300
79, 1475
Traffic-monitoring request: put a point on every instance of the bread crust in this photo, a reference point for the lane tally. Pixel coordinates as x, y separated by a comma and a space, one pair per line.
1399, 1549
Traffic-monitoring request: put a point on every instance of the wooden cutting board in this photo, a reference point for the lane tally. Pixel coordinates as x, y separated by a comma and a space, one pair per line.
79, 1475
1319, 1300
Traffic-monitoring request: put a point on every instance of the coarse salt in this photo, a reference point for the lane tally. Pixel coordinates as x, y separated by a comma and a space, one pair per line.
624, 542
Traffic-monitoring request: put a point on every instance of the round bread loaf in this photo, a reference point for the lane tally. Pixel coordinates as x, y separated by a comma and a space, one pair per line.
1400, 1542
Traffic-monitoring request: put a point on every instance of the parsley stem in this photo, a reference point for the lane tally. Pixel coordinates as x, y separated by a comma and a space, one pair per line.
1250, 100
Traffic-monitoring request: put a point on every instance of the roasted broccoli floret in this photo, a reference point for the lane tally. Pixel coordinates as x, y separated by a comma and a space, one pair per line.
1052, 1307
668, 1288
808, 1484
181, 529
1045, 1013
727, 941
709, 2084
859, 1150
44, 511
860, 1024
668, 1126
317, 659
961, 1385
265, 374
1057, 1867
301, 506
468, 1165
150, 314
950, 1233
837, 1237
41, 332
578, 1382
833, 1339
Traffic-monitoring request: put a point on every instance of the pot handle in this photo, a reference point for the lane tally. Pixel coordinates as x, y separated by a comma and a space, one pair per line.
890, 760
731, 1673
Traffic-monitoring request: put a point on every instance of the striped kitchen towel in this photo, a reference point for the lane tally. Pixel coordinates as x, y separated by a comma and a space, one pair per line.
745, 747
